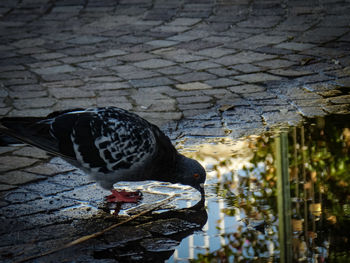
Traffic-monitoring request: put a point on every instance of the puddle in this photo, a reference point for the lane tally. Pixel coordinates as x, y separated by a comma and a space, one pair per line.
277, 197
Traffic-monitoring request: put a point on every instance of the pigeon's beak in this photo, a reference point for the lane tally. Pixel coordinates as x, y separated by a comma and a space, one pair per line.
200, 188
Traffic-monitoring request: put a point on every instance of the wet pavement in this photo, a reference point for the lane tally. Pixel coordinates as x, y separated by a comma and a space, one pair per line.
199, 69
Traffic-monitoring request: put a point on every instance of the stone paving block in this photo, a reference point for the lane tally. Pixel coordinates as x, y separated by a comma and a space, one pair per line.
6, 187
103, 79
137, 74
168, 28
182, 37
30, 112
16, 74
263, 95
193, 86
272, 118
19, 178
222, 82
161, 105
336, 109
106, 102
45, 64
257, 77
84, 40
248, 88
215, 52
201, 65
107, 86
154, 63
290, 72
189, 100
48, 56
193, 77
182, 56
134, 57
259, 41
76, 59
4, 111
246, 68
58, 84
195, 106
60, 93
36, 206
15, 162
151, 82
199, 44
261, 22
275, 64
111, 53
29, 151
222, 72
46, 188
98, 64
295, 46
345, 99
83, 103
54, 70
184, 21
243, 57
160, 118
48, 169
27, 94
30, 42
173, 70
162, 43
34, 103
313, 111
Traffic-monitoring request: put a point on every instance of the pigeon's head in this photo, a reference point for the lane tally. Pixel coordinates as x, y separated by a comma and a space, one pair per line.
190, 172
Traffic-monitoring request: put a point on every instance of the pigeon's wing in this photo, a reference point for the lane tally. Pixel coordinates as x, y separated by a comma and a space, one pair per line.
111, 140
37, 131
102, 140
34, 131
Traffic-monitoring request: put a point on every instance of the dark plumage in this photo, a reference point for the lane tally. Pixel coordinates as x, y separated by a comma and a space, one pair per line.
111, 144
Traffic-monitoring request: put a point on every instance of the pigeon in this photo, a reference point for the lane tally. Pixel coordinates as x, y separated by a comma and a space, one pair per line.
111, 145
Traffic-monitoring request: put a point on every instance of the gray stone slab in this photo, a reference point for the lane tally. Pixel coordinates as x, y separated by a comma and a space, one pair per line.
55, 70
154, 63
243, 57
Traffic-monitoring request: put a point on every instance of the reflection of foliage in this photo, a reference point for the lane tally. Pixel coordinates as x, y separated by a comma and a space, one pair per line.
326, 167
243, 245
250, 192
320, 169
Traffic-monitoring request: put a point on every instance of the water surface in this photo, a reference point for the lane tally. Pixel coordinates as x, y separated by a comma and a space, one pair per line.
277, 197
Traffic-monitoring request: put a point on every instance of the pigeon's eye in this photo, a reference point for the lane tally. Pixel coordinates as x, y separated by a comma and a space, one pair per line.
196, 176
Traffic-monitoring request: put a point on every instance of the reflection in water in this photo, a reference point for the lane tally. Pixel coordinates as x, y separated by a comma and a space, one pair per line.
253, 192
152, 238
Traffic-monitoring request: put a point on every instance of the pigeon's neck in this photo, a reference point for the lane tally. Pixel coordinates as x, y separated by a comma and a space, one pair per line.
181, 165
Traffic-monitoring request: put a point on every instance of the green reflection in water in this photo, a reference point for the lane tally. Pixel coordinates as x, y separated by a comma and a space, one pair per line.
316, 208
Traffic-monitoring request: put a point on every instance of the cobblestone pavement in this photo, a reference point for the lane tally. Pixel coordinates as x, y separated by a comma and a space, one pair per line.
197, 68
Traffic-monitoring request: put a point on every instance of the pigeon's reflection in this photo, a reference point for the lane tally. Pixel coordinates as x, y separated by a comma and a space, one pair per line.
152, 238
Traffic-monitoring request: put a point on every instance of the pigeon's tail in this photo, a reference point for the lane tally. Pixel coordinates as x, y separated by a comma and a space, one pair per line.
29, 130
9, 141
